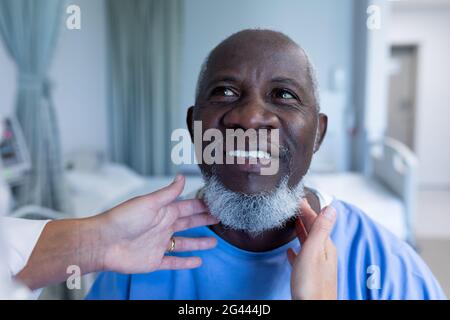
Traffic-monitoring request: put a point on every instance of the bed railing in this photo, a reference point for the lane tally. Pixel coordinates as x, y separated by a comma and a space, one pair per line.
395, 166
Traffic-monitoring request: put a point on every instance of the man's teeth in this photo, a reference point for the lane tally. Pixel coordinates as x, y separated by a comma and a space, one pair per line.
249, 154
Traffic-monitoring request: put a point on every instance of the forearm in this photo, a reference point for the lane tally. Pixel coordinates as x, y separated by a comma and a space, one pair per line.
63, 243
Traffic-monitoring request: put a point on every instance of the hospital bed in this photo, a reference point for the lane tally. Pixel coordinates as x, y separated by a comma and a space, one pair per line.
387, 192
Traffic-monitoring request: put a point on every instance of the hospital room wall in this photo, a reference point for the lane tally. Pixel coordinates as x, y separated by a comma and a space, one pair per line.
78, 72
429, 29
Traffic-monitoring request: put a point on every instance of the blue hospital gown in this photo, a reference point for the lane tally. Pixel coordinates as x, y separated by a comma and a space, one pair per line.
372, 264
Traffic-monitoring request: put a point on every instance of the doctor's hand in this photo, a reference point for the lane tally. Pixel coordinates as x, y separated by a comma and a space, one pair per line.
314, 268
130, 238
136, 234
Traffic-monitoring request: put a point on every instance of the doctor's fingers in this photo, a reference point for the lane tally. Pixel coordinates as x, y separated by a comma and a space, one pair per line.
329, 251
183, 244
300, 230
186, 208
291, 256
197, 220
308, 215
322, 227
167, 194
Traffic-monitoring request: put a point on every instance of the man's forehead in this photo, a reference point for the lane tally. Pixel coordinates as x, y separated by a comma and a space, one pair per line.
257, 57
277, 64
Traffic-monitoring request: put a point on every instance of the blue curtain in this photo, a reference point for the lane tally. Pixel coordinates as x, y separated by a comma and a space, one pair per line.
29, 30
144, 60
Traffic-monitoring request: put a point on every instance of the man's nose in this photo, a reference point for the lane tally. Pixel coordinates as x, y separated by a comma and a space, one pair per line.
251, 114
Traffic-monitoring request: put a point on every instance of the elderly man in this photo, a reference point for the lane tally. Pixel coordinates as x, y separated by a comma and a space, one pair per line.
261, 79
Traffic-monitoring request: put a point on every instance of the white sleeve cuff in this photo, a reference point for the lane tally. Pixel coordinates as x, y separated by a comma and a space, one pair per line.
21, 236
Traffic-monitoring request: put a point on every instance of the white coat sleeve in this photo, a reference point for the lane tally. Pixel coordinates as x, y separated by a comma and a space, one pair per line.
20, 237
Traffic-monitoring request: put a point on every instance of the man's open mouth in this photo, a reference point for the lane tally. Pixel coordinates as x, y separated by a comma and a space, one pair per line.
250, 161
255, 154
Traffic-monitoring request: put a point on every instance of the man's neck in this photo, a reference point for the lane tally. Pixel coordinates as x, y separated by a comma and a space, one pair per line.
268, 240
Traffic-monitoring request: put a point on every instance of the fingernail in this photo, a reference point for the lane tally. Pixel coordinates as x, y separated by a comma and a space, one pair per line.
329, 213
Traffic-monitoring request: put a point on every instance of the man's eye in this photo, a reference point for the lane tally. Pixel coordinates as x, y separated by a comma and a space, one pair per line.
283, 94
223, 91
227, 92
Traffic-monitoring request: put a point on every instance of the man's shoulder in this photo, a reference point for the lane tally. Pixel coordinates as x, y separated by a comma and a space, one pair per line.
367, 248
358, 235
353, 224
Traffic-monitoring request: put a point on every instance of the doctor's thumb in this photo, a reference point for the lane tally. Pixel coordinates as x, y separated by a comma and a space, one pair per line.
169, 193
323, 225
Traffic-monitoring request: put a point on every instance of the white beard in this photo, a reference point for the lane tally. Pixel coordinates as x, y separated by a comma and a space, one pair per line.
252, 213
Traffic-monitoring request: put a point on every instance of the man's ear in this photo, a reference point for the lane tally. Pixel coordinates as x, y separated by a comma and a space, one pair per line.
190, 122
321, 131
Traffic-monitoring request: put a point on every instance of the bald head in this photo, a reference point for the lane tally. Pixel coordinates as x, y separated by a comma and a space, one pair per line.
258, 43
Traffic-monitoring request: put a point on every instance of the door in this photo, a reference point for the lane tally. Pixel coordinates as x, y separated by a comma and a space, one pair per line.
402, 97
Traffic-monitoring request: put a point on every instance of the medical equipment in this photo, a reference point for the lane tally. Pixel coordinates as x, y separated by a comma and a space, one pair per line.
14, 157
